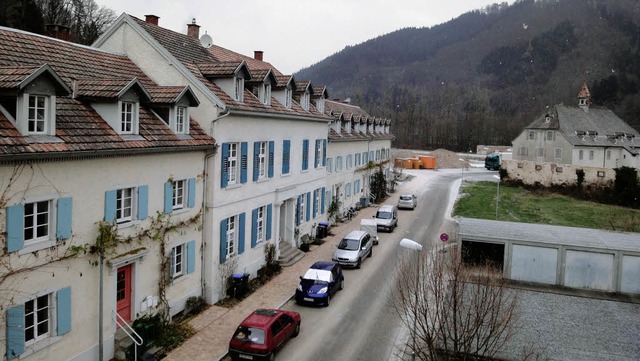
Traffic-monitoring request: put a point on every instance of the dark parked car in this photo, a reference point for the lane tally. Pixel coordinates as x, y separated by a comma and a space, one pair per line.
262, 333
320, 283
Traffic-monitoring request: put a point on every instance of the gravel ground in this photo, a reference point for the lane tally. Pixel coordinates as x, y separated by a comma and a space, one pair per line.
444, 158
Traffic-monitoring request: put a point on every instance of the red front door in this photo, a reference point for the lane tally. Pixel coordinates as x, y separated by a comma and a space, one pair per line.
123, 293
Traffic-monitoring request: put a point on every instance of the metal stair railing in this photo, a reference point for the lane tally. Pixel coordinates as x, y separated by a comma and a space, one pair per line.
133, 335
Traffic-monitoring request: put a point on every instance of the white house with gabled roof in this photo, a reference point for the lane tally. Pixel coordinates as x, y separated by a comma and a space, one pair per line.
268, 180
359, 145
87, 139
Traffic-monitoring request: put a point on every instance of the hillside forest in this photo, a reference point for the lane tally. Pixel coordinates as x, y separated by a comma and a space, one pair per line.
482, 77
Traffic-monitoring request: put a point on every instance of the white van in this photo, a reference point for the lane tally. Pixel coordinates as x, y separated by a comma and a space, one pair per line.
387, 217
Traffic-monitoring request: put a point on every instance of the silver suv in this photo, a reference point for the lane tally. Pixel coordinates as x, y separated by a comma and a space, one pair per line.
353, 248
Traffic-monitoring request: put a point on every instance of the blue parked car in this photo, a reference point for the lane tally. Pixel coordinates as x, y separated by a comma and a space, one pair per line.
320, 283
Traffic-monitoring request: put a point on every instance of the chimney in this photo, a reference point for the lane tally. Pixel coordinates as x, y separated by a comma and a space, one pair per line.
151, 19
257, 54
58, 31
193, 30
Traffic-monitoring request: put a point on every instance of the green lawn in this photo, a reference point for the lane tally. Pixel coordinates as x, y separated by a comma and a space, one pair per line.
516, 204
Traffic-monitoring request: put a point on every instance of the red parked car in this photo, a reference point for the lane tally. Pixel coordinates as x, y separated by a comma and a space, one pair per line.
261, 334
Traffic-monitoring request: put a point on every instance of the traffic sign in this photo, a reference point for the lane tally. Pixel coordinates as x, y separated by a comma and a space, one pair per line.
444, 237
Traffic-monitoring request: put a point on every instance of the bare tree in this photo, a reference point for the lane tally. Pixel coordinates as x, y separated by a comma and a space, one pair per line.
454, 312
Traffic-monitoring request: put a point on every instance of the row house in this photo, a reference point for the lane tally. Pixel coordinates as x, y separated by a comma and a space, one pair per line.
579, 135
92, 148
267, 182
359, 145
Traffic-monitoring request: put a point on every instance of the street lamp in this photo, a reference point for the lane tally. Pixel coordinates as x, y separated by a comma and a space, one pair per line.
497, 194
415, 246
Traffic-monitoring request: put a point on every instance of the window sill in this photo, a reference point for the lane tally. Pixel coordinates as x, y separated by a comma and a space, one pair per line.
262, 180
285, 175
233, 186
36, 246
180, 211
39, 345
178, 279
129, 224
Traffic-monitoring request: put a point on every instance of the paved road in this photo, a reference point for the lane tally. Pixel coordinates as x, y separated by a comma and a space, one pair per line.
359, 324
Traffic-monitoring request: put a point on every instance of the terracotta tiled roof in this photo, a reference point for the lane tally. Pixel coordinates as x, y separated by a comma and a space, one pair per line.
166, 94
79, 128
222, 69
214, 61
302, 86
283, 80
101, 88
353, 113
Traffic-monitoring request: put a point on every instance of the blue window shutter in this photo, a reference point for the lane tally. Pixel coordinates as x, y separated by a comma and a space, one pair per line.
224, 176
315, 195
254, 227
63, 310
256, 152
308, 206
223, 241
191, 192
305, 154
241, 233
269, 215
191, 256
110, 206
299, 213
15, 332
143, 202
63, 221
324, 152
316, 156
286, 155
168, 197
322, 201
271, 150
15, 228
243, 162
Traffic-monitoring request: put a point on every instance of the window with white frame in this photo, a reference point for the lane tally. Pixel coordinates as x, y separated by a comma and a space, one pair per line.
329, 165
262, 160
124, 205
301, 208
178, 261
349, 161
377, 155
287, 98
266, 94
318, 153
232, 163
316, 201
239, 88
260, 224
532, 135
580, 154
550, 134
338, 163
37, 319
231, 236
608, 154
179, 193
127, 117
540, 152
304, 101
357, 159
38, 114
181, 119
558, 153
523, 151
591, 154
37, 221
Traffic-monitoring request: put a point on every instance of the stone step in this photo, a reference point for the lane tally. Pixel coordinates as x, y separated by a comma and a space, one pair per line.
289, 255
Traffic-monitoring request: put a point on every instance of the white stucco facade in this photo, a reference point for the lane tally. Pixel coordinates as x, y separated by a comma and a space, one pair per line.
85, 183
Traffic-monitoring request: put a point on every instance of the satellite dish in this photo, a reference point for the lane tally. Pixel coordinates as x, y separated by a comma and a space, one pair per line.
206, 40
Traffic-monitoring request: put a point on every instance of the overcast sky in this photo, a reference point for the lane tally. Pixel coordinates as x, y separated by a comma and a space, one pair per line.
295, 33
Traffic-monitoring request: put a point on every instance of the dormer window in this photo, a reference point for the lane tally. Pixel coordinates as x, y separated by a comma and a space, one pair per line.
181, 120
127, 117
239, 88
38, 118
266, 94
304, 101
287, 98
